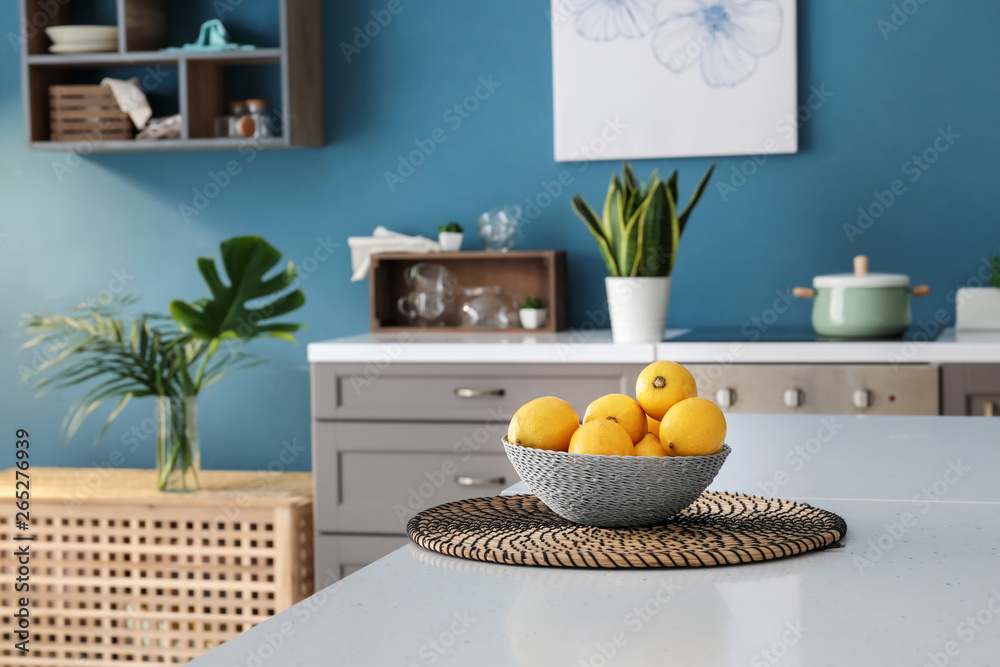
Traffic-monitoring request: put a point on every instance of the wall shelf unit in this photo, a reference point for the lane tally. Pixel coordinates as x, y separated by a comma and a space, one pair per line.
196, 82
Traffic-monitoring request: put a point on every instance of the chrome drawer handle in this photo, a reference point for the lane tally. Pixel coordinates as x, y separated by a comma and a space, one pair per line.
465, 392
480, 481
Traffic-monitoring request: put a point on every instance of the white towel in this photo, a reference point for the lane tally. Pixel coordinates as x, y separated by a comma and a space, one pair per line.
131, 100
383, 240
162, 128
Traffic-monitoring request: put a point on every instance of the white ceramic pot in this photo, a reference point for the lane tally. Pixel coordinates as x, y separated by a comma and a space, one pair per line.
533, 318
450, 241
977, 308
638, 308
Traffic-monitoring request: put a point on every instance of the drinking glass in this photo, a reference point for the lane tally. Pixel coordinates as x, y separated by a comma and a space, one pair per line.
498, 228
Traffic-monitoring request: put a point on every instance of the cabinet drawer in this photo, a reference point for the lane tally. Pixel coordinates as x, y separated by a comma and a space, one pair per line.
984, 406
373, 477
339, 556
428, 392
970, 389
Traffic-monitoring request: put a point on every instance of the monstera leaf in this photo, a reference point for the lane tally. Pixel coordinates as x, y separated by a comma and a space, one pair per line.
241, 309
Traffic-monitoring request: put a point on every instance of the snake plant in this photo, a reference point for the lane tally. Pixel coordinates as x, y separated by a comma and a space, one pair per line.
640, 229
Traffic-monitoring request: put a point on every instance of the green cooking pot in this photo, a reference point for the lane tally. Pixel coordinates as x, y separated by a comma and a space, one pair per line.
861, 304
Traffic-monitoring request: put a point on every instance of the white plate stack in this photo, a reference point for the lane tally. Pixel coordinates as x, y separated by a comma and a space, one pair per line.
83, 38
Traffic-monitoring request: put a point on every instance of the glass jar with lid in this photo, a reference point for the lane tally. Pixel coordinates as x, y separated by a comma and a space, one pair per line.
257, 109
234, 124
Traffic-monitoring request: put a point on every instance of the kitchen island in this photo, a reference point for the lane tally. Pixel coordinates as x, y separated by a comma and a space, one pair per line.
915, 581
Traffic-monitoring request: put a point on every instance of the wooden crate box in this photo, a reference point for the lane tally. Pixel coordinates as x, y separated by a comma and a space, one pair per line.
87, 113
122, 573
521, 273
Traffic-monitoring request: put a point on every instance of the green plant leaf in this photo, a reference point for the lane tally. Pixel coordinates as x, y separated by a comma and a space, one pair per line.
247, 259
654, 178
629, 179
589, 217
674, 229
629, 260
614, 212
698, 192
658, 233
674, 186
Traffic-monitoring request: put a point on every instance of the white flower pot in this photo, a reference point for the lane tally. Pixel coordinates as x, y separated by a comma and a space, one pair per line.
533, 318
977, 308
450, 241
638, 308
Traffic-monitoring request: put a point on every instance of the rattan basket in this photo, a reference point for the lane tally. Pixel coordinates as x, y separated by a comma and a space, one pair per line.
614, 491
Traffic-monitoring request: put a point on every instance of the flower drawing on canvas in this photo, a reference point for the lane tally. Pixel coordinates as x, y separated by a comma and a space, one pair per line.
605, 20
725, 37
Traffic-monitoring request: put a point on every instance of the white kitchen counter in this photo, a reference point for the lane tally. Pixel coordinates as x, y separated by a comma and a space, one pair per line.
916, 582
595, 346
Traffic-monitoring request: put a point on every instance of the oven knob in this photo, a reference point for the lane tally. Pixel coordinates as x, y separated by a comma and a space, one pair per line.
725, 397
793, 398
862, 399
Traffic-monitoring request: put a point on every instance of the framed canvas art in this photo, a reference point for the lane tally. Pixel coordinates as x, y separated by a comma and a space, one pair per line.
639, 79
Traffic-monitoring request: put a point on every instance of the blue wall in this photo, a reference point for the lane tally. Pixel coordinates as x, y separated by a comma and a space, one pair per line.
63, 241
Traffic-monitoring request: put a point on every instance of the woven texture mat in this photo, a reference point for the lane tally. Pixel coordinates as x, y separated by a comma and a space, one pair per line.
718, 529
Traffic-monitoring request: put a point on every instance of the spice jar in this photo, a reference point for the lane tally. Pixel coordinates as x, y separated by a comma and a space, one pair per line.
257, 109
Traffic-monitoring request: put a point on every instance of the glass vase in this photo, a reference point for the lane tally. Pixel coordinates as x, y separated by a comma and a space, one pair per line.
178, 456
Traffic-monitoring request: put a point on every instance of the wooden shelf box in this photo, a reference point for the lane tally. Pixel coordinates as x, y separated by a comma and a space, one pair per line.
539, 274
121, 573
82, 113
196, 86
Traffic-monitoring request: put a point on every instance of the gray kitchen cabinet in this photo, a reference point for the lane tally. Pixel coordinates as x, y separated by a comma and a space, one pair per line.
338, 556
970, 389
376, 476
393, 439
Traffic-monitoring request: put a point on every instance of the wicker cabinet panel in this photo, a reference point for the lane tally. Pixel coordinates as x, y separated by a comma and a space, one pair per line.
121, 573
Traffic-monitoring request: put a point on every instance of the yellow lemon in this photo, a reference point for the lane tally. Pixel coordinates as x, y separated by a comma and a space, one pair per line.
693, 427
544, 423
653, 425
601, 437
650, 446
621, 409
661, 385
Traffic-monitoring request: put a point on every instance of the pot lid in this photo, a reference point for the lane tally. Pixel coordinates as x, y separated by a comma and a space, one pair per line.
861, 277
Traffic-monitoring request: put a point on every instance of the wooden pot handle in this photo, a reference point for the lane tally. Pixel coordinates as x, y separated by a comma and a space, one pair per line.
861, 265
921, 290
804, 292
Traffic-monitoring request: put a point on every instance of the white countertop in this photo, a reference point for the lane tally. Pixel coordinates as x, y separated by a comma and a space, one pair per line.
895, 594
595, 346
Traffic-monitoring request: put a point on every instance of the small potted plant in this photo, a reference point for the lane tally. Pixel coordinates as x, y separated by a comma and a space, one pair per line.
979, 307
533, 313
637, 236
450, 237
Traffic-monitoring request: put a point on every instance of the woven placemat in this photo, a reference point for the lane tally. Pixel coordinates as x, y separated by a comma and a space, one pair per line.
718, 529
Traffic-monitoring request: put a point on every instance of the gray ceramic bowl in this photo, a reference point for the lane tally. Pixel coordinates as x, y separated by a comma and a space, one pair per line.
614, 491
